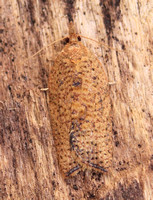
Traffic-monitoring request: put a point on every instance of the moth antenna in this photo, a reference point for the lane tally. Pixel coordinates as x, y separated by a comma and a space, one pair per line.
106, 46
73, 37
45, 48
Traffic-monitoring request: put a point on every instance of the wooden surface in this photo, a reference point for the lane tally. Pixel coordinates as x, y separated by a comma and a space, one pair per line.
28, 164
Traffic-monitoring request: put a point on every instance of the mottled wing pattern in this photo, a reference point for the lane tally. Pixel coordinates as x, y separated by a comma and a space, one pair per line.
80, 110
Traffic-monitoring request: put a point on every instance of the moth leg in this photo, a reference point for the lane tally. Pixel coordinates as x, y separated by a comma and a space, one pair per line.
72, 170
98, 167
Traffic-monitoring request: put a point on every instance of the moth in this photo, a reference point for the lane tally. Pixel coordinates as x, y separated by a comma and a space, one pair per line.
80, 109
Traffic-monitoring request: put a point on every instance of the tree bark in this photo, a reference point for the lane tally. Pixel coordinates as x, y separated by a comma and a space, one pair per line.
28, 164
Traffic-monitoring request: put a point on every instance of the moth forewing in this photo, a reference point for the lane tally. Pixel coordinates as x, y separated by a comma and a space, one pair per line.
80, 109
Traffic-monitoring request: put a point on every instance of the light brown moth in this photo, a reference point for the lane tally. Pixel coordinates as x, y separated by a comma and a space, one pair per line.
80, 109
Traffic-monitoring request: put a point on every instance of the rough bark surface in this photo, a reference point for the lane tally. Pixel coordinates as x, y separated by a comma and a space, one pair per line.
28, 164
